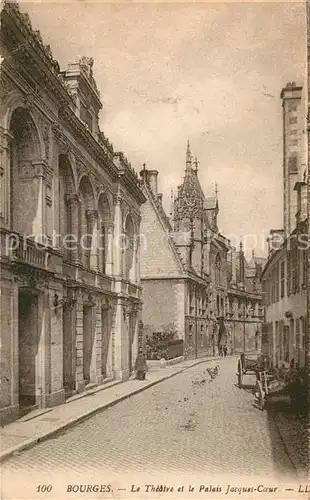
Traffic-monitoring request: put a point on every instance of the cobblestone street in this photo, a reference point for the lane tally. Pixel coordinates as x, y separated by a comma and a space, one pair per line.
185, 424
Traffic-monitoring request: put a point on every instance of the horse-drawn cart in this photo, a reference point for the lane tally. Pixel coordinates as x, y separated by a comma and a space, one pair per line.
269, 385
290, 383
250, 364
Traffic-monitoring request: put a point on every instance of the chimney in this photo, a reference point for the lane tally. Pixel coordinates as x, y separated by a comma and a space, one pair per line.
160, 199
291, 96
152, 179
150, 176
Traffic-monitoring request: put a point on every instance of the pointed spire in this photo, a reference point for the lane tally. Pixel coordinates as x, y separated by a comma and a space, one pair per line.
216, 191
253, 254
188, 157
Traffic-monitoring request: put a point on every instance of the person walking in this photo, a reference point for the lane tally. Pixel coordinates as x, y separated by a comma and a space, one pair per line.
225, 350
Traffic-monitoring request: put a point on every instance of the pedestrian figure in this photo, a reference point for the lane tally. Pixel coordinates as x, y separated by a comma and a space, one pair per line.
225, 350
140, 366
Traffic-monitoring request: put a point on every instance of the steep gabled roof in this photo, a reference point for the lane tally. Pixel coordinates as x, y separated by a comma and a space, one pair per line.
164, 224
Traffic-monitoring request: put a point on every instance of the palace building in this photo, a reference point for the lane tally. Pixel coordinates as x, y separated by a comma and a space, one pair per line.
194, 283
69, 219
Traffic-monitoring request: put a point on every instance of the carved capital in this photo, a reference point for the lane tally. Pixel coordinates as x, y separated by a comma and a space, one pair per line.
127, 309
118, 200
92, 215
72, 199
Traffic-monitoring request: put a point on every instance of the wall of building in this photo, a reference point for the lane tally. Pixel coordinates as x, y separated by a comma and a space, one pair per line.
156, 254
163, 305
72, 168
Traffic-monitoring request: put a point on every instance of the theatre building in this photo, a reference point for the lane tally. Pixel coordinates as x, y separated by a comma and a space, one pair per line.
69, 219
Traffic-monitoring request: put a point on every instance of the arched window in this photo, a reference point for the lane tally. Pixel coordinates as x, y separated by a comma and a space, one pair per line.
25, 183
105, 221
67, 207
87, 223
129, 250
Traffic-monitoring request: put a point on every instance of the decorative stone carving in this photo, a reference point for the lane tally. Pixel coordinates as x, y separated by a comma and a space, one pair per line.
48, 196
30, 98
118, 200
46, 139
127, 309
92, 215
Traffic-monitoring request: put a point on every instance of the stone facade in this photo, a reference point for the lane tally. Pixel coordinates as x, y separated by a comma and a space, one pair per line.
193, 280
285, 274
69, 221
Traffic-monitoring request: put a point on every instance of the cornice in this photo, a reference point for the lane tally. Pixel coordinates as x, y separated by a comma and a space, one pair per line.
28, 48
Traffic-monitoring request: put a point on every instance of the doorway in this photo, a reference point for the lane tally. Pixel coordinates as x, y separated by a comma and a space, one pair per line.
28, 343
88, 342
105, 329
68, 351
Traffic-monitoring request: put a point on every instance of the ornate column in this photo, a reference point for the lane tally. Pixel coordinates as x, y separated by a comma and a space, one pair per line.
109, 255
133, 270
92, 223
5, 141
42, 224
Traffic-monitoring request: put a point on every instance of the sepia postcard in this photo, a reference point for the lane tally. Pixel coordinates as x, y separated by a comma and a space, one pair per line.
154, 250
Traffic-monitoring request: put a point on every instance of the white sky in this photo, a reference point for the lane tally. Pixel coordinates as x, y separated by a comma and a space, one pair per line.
208, 72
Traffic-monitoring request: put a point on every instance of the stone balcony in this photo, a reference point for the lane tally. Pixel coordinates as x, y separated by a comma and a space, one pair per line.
18, 249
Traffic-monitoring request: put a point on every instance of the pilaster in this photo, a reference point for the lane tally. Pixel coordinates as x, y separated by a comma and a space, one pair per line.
117, 264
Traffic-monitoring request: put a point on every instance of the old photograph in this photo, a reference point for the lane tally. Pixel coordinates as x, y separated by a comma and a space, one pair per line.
154, 250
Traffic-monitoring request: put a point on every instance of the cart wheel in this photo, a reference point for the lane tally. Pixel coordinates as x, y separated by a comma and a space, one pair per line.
239, 374
261, 400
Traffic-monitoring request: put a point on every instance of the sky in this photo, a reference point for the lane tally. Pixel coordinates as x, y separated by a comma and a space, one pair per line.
210, 73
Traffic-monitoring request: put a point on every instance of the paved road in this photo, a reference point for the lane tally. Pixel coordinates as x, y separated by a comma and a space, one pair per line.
184, 424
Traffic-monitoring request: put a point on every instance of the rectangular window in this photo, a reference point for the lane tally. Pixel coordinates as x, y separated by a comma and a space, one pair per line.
277, 282
293, 120
304, 268
278, 344
282, 277
288, 276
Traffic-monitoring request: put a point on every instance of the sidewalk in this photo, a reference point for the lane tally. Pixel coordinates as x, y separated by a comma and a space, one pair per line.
295, 436
29, 430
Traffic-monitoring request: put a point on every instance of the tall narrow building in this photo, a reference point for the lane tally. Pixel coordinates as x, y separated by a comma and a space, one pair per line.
291, 96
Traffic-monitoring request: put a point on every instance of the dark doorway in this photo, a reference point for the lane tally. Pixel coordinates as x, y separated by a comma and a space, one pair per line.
28, 340
68, 350
105, 329
88, 340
